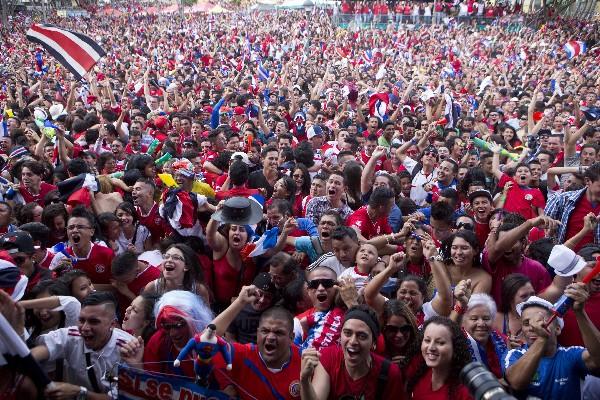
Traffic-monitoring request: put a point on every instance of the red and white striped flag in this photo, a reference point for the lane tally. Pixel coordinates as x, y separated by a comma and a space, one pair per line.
76, 51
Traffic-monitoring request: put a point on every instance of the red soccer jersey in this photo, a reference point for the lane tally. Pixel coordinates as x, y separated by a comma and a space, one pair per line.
575, 224
38, 198
342, 386
96, 265
154, 222
368, 228
365, 159
257, 380
524, 201
45, 263
423, 389
146, 276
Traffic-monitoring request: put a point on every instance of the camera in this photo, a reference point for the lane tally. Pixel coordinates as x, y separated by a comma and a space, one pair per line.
482, 384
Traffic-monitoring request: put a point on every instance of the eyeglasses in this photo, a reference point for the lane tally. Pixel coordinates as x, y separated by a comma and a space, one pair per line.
78, 227
393, 329
176, 325
173, 257
465, 225
315, 283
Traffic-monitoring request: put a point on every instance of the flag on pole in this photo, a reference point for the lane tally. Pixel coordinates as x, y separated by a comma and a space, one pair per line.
263, 73
574, 48
75, 51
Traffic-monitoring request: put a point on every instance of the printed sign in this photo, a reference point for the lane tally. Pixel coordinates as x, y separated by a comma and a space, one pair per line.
136, 384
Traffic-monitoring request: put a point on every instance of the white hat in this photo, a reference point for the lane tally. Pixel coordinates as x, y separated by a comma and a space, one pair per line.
538, 301
56, 110
564, 261
238, 155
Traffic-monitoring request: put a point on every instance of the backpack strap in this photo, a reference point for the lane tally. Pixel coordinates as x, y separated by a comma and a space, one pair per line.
382, 379
316, 244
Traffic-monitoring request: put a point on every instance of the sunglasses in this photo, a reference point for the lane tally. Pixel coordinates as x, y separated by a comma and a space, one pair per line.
393, 329
176, 325
416, 236
315, 283
465, 225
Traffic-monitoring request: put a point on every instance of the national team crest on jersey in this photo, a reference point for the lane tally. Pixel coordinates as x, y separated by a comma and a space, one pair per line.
100, 268
295, 388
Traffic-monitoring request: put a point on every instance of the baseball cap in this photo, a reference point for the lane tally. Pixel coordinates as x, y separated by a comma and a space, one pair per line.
313, 131
11, 280
538, 301
238, 110
17, 242
264, 282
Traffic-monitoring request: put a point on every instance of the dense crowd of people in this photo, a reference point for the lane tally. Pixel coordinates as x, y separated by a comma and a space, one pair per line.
341, 213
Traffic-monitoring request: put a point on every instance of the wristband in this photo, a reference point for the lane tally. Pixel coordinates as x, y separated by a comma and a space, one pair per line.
459, 310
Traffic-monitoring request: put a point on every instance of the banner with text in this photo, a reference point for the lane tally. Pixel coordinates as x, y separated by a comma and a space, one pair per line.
136, 384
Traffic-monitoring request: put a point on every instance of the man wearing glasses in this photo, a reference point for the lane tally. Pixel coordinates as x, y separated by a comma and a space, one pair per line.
94, 259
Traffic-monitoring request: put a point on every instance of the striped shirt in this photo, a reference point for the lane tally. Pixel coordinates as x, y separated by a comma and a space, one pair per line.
560, 207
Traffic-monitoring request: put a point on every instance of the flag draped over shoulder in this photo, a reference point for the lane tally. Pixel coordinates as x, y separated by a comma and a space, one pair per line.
75, 51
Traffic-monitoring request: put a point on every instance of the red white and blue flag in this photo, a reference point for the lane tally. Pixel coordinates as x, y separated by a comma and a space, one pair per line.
378, 104
574, 48
75, 51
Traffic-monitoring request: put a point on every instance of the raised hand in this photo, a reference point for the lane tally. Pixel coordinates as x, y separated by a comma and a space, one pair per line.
310, 360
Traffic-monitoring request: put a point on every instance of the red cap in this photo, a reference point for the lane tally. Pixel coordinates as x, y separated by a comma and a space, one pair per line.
160, 122
238, 110
207, 109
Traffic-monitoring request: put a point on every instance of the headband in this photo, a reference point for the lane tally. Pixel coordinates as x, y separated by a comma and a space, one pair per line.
364, 317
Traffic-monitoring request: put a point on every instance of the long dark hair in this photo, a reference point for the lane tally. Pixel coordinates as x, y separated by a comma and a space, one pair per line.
510, 286
400, 309
53, 288
470, 238
461, 355
194, 273
305, 189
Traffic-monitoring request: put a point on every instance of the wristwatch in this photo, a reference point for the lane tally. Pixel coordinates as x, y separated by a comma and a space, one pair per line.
437, 257
83, 393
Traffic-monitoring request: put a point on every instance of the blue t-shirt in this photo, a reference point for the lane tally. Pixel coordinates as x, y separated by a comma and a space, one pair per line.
557, 377
304, 245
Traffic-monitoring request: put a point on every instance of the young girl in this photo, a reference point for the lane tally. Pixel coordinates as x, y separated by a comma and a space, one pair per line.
139, 317
366, 258
78, 284
133, 236
285, 189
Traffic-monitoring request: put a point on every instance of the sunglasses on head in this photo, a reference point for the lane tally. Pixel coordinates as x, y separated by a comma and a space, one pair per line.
393, 329
315, 283
416, 236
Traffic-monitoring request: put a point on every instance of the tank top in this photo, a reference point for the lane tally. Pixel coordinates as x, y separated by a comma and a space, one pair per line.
230, 280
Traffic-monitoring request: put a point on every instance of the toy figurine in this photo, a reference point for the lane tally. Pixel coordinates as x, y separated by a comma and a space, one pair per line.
206, 346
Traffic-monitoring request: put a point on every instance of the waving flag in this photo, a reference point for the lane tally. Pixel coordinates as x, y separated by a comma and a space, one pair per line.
76, 51
378, 105
574, 48
263, 73
367, 56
